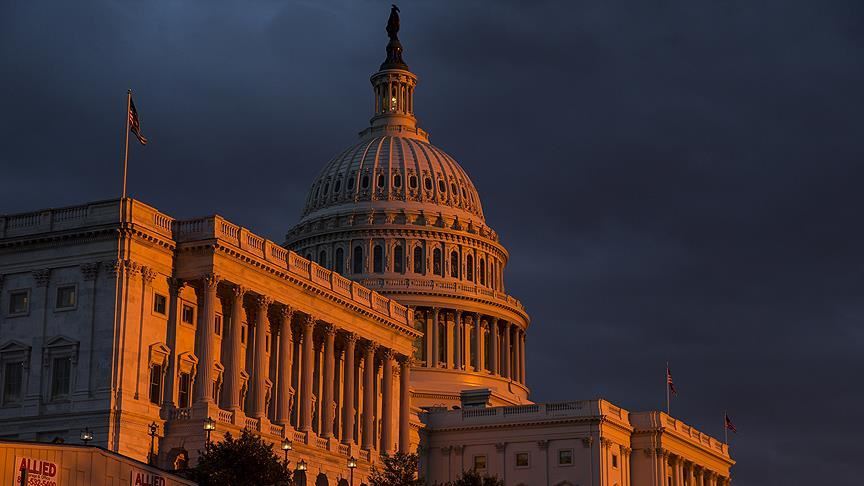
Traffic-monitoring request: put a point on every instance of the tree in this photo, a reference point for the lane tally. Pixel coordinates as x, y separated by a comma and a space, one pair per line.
473, 478
245, 461
400, 469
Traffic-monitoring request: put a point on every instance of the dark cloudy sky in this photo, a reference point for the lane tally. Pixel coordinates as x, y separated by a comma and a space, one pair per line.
676, 180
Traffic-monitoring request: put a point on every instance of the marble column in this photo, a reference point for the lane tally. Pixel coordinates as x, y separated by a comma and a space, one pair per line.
306, 379
505, 353
436, 339
405, 404
348, 389
522, 377
450, 339
429, 339
478, 348
329, 406
260, 371
206, 351
286, 341
369, 396
459, 342
494, 341
387, 402
175, 288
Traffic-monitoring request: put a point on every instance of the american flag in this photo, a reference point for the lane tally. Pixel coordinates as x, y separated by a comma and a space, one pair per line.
730, 425
669, 382
135, 124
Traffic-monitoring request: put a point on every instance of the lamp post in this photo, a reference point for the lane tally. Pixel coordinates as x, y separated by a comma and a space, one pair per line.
86, 435
352, 464
287, 445
209, 426
300, 479
153, 430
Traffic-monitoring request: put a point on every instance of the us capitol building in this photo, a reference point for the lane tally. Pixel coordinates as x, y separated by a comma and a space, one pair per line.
382, 323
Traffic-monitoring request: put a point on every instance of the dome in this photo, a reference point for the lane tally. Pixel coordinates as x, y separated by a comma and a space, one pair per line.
394, 173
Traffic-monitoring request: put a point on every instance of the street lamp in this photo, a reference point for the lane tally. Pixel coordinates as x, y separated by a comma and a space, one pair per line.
301, 466
86, 435
209, 426
287, 445
352, 463
153, 430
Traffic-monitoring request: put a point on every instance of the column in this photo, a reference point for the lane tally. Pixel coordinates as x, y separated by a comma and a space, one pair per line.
505, 353
494, 341
204, 390
435, 338
286, 341
404, 404
306, 379
387, 402
369, 396
451, 347
175, 288
348, 390
478, 347
458, 341
260, 371
522, 357
429, 338
329, 368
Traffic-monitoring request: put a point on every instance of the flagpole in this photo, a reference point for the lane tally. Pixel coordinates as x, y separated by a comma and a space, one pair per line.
126, 149
668, 409
725, 429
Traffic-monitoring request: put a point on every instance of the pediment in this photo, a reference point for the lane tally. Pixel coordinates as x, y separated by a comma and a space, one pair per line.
13, 346
61, 341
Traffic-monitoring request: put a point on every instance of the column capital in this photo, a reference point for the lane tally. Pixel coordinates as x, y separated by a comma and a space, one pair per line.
176, 285
351, 337
88, 271
239, 291
263, 301
286, 312
406, 360
329, 329
147, 275
309, 320
41, 276
210, 281
371, 346
387, 353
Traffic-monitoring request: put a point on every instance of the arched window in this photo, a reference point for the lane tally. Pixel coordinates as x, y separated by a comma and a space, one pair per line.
337, 186
418, 260
378, 259
358, 259
469, 268
398, 259
365, 181
322, 258
412, 181
380, 180
339, 261
326, 188
428, 183
397, 181
436, 261
442, 187
454, 264
482, 271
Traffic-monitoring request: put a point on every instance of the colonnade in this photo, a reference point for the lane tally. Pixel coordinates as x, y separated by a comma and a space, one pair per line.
683, 472
456, 339
293, 369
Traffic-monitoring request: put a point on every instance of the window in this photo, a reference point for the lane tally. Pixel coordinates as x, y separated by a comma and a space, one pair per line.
188, 315
565, 457
412, 182
365, 181
469, 268
216, 390
378, 259
418, 259
523, 460
244, 329
326, 188
160, 304
398, 259
217, 325
351, 182
322, 258
615, 461
13, 376
442, 187
453, 189
482, 272
428, 183
380, 181
156, 384
436, 261
358, 259
184, 391
479, 463
397, 181
337, 186
61, 377
66, 297
19, 302
454, 264
339, 262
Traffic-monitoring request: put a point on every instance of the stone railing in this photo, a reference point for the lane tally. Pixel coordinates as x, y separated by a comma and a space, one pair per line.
442, 286
253, 423
529, 412
656, 420
276, 429
226, 416
180, 413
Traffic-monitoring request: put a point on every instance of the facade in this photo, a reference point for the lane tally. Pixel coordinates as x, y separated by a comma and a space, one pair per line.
591, 442
116, 316
381, 324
